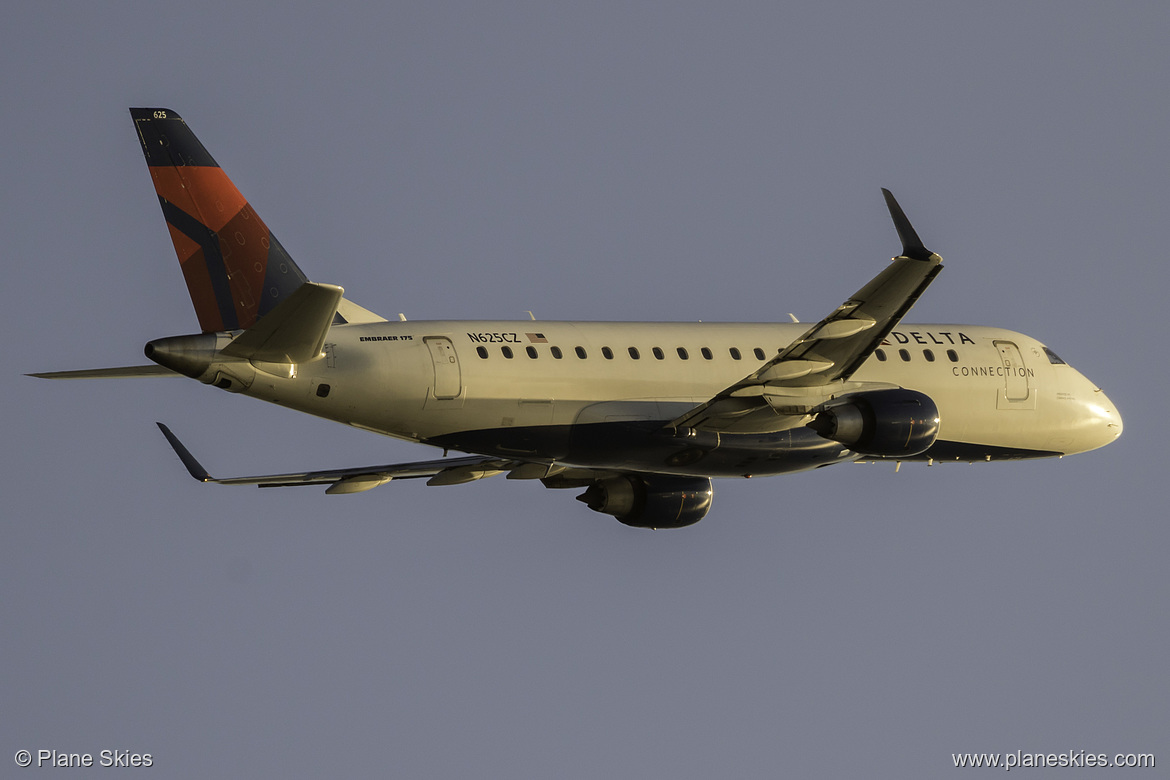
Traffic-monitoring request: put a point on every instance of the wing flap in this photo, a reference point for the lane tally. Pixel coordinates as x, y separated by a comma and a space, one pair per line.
442, 471
827, 354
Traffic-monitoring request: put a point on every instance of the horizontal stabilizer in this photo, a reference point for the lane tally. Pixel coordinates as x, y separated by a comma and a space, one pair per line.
124, 372
294, 331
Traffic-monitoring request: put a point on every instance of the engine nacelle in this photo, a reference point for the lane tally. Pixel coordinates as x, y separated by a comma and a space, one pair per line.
888, 423
651, 501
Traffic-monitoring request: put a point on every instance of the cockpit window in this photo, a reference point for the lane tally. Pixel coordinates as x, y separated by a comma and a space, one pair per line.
1053, 358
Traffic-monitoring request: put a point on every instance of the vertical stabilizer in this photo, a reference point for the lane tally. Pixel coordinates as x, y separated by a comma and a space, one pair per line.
236, 270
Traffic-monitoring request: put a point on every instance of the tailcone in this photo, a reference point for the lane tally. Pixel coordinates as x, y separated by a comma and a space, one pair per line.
188, 355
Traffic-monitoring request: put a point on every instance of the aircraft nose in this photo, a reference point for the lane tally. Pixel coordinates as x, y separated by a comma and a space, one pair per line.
1112, 417
1106, 420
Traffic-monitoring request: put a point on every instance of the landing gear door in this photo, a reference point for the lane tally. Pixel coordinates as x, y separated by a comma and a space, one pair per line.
448, 378
1016, 392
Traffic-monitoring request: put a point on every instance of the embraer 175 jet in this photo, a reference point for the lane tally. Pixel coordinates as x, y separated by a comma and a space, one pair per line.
640, 415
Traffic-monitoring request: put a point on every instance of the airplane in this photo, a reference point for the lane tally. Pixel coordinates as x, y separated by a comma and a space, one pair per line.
642, 416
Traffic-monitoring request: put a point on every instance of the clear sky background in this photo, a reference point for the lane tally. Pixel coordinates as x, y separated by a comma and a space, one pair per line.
627, 161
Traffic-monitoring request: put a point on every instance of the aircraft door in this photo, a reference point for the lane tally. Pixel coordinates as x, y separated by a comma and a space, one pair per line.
1015, 390
448, 379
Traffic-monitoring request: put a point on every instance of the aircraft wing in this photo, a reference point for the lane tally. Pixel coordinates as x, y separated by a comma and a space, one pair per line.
781, 392
443, 471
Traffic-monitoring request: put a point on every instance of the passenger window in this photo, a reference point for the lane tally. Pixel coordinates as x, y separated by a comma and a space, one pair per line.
706, 353
658, 353
904, 354
482, 352
734, 353
682, 353
607, 353
759, 353
556, 352
953, 356
581, 353
926, 353
531, 352
880, 355
507, 352
634, 353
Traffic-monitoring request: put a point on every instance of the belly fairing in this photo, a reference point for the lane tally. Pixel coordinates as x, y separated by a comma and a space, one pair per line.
642, 447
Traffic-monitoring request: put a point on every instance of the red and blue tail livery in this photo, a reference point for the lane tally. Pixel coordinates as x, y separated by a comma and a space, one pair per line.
236, 270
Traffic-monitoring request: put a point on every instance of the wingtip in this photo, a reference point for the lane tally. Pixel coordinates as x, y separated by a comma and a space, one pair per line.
912, 245
193, 466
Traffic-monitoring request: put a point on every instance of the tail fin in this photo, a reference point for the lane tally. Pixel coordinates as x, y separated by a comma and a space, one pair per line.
236, 270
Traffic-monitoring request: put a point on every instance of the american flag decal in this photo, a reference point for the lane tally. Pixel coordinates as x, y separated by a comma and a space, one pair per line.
536, 338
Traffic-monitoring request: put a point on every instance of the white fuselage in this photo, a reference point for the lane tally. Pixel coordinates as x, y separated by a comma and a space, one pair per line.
530, 388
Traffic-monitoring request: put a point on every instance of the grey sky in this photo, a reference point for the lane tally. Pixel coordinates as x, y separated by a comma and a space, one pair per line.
595, 161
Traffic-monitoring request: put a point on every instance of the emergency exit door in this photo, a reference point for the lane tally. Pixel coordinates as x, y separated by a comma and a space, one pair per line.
448, 380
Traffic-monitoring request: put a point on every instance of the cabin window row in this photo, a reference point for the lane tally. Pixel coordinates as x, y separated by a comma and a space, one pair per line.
634, 353
683, 354
904, 354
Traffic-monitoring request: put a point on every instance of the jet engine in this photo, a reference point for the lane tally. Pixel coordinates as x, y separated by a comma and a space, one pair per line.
888, 423
651, 501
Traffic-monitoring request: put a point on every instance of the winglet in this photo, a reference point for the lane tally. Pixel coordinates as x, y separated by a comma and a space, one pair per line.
185, 455
912, 245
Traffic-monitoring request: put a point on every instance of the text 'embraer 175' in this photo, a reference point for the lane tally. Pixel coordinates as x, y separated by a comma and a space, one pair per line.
640, 416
